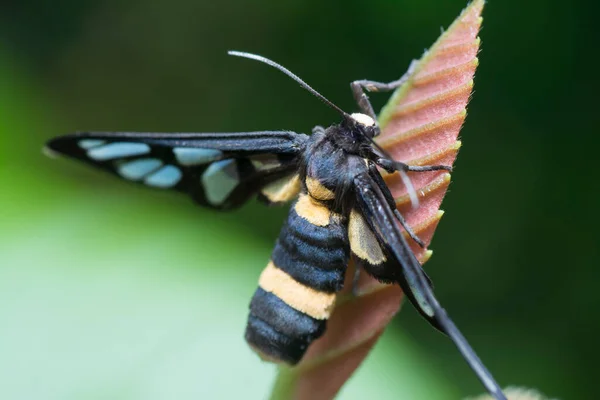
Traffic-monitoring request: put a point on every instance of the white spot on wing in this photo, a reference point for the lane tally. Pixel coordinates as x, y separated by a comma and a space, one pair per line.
137, 169
118, 150
166, 177
194, 156
219, 179
87, 144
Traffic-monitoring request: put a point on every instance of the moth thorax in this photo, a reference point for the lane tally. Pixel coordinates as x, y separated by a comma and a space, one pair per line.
363, 119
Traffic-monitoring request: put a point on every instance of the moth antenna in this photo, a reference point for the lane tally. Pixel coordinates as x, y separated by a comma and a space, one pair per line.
291, 75
405, 178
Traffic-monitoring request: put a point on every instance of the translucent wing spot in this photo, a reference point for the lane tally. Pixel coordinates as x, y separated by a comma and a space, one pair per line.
118, 150
420, 298
264, 162
137, 169
166, 177
87, 144
219, 180
192, 156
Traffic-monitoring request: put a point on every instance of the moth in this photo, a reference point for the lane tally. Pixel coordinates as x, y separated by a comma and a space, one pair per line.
342, 209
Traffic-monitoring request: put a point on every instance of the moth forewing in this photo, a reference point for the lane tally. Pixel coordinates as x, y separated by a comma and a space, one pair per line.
218, 170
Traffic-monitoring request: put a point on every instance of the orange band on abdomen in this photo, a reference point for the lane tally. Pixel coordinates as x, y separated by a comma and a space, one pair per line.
311, 302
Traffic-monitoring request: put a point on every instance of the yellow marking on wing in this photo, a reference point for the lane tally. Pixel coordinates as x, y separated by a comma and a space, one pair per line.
312, 211
282, 190
264, 162
317, 190
305, 299
363, 242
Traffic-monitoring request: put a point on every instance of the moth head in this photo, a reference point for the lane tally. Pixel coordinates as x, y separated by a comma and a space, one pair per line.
366, 124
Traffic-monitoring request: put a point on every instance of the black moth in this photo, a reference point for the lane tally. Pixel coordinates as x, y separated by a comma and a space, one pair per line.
343, 209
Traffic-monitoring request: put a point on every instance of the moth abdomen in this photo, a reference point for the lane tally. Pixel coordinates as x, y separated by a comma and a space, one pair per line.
313, 246
278, 331
297, 290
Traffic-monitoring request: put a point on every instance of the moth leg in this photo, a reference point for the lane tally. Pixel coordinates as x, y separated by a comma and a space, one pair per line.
392, 166
373, 86
359, 87
425, 168
407, 228
390, 200
362, 99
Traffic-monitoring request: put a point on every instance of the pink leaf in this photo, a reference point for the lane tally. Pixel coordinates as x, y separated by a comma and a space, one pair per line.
420, 126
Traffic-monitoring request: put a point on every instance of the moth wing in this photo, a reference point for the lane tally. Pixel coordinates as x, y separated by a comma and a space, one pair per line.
371, 201
218, 170
397, 263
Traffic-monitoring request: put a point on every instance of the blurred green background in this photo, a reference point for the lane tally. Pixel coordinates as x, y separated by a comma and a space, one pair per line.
110, 291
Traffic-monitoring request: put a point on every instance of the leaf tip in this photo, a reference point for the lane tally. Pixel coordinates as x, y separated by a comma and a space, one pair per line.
425, 256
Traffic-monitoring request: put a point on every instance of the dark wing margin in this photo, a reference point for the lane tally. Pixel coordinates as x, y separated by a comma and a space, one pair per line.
371, 201
218, 170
